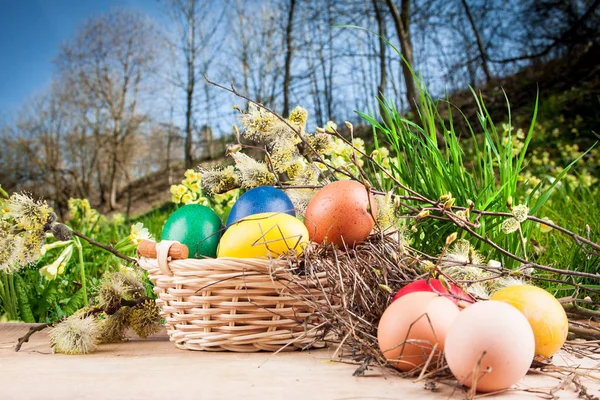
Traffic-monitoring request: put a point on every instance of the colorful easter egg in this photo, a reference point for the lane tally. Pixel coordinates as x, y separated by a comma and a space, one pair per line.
196, 226
265, 235
260, 200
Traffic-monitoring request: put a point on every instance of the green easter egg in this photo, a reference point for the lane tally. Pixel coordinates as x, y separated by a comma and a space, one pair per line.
196, 226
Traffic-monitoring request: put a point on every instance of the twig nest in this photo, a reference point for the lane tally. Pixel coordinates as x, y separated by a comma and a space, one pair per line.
342, 213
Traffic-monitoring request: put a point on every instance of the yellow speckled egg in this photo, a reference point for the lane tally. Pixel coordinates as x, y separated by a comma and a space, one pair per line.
265, 235
546, 316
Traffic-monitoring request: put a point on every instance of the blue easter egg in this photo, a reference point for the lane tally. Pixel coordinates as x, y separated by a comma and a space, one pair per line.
261, 199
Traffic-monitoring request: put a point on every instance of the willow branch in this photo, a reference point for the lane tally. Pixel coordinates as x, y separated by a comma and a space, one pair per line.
305, 143
110, 249
25, 338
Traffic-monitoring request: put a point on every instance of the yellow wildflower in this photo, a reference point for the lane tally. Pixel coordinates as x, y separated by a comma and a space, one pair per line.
178, 190
187, 198
57, 267
546, 228
118, 218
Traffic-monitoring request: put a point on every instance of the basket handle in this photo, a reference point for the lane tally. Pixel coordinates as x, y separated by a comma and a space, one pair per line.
162, 256
147, 248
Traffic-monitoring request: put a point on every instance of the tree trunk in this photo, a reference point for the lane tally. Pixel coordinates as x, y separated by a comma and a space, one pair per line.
112, 204
191, 62
288, 59
114, 165
482, 53
382, 61
402, 24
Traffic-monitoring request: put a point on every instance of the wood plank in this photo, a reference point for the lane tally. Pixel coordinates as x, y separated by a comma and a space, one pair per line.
152, 369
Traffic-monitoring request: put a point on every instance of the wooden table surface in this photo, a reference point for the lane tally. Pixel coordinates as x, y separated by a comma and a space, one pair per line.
155, 369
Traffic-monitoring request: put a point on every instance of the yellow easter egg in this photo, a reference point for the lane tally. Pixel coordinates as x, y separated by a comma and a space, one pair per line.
546, 316
265, 235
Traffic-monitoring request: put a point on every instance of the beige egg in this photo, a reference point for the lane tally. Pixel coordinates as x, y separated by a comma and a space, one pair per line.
415, 326
491, 345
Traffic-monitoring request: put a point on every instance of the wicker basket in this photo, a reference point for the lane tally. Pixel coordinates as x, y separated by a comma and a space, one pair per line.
236, 304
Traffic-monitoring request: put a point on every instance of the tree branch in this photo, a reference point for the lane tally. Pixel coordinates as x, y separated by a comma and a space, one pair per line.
110, 249
25, 338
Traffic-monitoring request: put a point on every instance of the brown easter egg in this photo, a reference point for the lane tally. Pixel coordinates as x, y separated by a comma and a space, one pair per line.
342, 213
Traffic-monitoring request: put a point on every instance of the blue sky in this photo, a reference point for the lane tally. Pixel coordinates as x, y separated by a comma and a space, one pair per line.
31, 32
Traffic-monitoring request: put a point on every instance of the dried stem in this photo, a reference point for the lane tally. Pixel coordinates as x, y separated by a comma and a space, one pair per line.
110, 249
25, 338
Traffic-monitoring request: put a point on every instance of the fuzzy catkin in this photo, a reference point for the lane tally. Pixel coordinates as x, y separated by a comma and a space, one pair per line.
145, 319
77, 334
112, 328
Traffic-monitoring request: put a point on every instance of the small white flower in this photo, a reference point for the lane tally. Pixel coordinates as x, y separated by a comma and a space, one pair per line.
139, 233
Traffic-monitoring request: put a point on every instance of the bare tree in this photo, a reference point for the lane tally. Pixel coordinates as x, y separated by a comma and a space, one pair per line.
110, 57
402, 24
381, 31
196, 27
289, 50
480, 47
255, 45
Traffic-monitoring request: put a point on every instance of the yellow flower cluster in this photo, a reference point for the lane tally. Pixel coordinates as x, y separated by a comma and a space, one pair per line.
138, 233
190, 191
340, 155
81, 212
382, 156
544, 168
516, 140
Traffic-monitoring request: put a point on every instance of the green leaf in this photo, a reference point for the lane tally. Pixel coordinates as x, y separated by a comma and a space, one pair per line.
24, 307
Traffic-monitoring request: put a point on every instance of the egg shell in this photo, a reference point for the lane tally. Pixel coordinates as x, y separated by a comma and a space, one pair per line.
455, 294
546, 316
196, 226
265, 235
339, 213
260, 200
495, 335
405, 321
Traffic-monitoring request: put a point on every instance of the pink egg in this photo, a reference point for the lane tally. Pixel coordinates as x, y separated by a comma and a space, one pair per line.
413, 327
455, 294
492, 342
